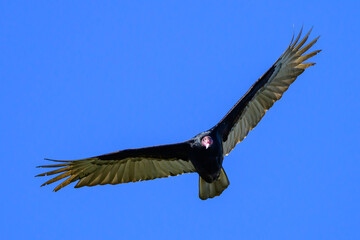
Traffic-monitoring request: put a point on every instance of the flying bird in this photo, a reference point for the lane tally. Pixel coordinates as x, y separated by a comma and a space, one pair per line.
203, 153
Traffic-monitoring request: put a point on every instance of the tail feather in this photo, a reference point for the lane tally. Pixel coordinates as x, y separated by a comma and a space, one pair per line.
210, 190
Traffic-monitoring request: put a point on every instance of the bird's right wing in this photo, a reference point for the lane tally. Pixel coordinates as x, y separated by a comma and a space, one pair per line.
129, 165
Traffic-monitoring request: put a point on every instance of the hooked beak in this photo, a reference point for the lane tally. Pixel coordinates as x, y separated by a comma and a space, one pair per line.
207, 145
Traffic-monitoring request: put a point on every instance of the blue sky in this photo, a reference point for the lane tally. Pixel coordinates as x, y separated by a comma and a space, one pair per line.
91, 77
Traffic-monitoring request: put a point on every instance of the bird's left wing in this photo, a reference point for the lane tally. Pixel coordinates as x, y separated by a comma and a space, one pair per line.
129, 165
249, 110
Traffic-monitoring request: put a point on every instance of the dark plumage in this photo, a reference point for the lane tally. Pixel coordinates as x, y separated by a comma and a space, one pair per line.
203, 153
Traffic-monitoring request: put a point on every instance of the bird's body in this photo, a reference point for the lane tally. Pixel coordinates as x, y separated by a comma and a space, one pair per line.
207, 161
203, 153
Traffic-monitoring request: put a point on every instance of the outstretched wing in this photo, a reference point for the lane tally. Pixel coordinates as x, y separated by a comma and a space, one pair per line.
249, 110
129, 165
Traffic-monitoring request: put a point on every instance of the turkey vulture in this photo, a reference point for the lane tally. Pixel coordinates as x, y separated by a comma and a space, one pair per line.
203, 153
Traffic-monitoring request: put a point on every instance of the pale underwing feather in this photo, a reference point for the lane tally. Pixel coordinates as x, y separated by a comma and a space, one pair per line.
286, 69
93, 171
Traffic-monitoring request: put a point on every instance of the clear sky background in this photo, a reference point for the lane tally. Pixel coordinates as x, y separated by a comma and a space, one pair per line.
85, 78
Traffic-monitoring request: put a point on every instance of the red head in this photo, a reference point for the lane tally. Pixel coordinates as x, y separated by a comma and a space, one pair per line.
206, 141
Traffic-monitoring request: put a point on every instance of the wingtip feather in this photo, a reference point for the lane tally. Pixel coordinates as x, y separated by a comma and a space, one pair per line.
297, 38
54, 160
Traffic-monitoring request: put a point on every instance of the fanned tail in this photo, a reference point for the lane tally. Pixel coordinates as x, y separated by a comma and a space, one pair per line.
210, 190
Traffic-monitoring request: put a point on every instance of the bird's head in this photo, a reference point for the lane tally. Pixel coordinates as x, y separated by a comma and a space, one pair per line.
206, 141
